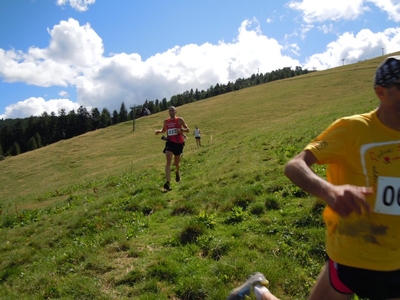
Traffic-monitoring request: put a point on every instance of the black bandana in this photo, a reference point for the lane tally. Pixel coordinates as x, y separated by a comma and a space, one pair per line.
388, 72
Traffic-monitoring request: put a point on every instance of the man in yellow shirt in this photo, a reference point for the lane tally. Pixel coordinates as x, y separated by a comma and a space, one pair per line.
362, 195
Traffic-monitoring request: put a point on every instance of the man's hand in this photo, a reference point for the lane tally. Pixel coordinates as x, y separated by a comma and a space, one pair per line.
346, 199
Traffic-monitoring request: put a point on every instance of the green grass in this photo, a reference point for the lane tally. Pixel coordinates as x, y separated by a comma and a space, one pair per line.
85, 218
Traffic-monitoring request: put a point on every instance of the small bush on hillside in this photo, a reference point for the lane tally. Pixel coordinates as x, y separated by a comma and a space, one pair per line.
293, 191
309, 220
257, 208
12, 270
191, 232
219, 250
237, 215
242, 202
318, 206
128, 204
271, 203
191, 289
186, 208
211, 247
8, 221
151, 205
274, 189
207, 219
165, 270
147, 210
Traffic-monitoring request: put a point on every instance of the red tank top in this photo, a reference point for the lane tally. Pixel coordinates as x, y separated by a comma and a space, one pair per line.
173, 135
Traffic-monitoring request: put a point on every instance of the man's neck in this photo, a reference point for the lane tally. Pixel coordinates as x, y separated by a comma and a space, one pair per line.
389, 118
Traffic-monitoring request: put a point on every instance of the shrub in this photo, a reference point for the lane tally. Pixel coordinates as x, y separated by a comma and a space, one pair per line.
166, 270
191, 232
206, 219
185, 209
257, 208
271, 203
237, 215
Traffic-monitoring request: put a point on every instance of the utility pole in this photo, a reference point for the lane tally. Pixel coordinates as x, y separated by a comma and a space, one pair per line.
343, 61
383, 51
133, 112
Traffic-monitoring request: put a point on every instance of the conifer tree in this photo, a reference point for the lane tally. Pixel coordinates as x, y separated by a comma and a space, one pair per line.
32, 144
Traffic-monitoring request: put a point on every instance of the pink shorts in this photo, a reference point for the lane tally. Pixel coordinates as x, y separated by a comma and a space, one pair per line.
336, 283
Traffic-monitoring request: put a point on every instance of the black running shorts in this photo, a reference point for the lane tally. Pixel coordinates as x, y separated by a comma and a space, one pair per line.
175, 148
368, 283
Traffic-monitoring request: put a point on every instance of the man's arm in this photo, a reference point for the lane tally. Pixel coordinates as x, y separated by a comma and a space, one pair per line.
185, 127
344, 199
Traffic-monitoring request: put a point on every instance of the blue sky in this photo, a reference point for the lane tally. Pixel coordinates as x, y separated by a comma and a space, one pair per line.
99, 53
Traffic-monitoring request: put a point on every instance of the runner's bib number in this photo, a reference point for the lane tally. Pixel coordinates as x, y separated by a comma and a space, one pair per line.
388, 196
172, 131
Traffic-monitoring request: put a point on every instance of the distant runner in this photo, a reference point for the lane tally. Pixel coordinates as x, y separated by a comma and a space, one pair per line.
175, 127
197, 136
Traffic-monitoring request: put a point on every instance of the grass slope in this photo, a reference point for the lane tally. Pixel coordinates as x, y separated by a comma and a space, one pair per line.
85, 218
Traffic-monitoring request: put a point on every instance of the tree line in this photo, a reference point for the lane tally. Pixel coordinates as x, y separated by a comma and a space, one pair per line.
21, 135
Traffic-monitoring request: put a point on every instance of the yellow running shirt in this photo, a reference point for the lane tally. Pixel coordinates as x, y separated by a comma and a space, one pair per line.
361, 151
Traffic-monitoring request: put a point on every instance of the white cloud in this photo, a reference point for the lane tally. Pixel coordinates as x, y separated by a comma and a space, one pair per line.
63, 94
72, 49
391, 7
349, 47
74, 45
75, 58
36, 106
332, 10
326, 28
127, 78
353, 48
79, 5
336, 10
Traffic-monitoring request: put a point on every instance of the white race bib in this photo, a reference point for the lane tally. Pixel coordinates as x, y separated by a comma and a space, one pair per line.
172, 131
388, 196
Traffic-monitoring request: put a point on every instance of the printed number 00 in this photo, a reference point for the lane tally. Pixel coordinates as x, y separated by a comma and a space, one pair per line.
389, 196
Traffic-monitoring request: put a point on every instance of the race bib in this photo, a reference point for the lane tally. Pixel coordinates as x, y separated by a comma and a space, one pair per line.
172, 131
388, 196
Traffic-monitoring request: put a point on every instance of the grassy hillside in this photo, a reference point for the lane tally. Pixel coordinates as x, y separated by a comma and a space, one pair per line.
85, 218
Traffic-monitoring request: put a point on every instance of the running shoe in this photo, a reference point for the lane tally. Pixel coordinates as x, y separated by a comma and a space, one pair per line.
246, 290
177, 177
167, 186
